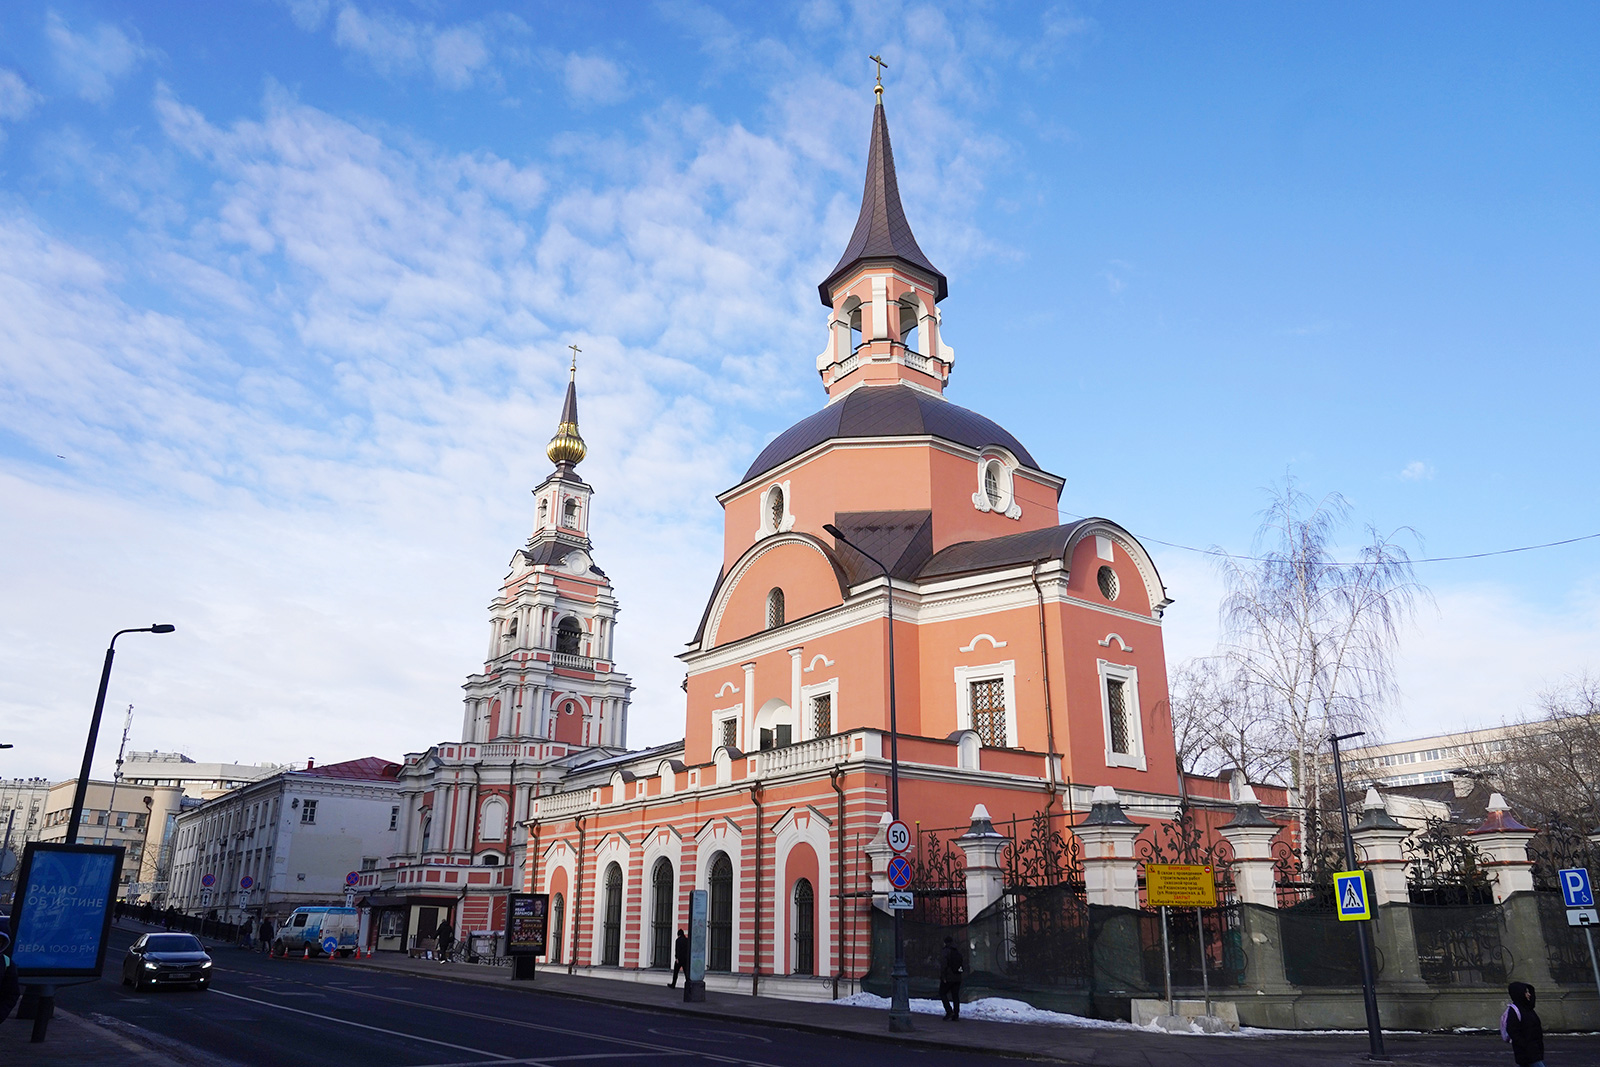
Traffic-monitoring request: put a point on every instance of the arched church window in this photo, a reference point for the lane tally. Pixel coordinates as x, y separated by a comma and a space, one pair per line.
569, 515
544, 512
511, 628
569, 636
908, 325
558, 917
775, 508
855, 329
805, 928
774, 609
719, 914
662, 913
611, 947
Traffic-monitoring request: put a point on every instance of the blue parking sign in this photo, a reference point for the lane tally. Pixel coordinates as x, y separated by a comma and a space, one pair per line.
1575, 888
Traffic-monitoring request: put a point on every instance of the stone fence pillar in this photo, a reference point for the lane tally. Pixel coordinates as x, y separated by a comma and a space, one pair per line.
1380, 838
1504, 842
985, 879
1250, 835
879, 853
1110, 871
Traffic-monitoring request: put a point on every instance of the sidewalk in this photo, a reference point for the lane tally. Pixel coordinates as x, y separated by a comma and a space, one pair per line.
73, 1041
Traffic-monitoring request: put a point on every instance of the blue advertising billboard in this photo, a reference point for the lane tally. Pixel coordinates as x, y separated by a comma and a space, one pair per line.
65, 896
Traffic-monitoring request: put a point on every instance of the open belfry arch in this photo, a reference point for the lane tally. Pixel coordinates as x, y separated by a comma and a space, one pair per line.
548, 700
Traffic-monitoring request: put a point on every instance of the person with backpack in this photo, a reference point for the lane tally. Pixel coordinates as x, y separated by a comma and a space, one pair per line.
951, 968
447, 939
1520, 1026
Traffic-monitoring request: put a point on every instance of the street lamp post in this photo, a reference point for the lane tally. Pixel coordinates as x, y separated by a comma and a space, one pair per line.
899, 977
1369, 982
82, 790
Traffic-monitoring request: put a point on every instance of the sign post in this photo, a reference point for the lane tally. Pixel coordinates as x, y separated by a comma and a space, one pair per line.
64, 900
1578, 893
527, 929
1182, 885
694, 985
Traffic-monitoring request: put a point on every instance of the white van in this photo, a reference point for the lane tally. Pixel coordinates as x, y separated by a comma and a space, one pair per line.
324, 931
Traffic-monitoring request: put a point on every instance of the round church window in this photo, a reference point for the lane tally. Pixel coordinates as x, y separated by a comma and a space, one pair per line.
1108, 583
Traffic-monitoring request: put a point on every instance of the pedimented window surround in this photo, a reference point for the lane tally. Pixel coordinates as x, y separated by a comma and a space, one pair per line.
997, 483
808, 694
1128, 676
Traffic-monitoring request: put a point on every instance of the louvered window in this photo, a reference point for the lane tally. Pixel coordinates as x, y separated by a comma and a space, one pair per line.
989, 711
1117, 707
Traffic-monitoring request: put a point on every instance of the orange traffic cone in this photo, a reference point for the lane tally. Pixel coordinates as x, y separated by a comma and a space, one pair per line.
307, 954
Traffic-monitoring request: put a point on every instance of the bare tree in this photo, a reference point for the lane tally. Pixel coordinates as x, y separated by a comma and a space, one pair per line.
1551, 765
1313, 639
1217, 726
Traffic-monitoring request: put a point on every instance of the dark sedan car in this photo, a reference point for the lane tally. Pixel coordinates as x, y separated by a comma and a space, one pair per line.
166, 959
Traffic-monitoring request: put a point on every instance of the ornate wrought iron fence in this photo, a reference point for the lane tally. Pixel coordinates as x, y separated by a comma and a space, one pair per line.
1461, 944
1447, 870
939, 878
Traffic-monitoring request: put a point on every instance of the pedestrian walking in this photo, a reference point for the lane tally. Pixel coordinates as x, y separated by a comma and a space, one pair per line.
447, 938
680, 959
1520, 1026
951, 968
10, 991
264, 935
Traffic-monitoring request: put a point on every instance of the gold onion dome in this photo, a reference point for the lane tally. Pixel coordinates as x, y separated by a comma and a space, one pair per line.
567, 445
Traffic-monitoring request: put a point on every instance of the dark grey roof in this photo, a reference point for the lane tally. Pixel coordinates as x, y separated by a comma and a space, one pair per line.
550, 552
902, 540
882, 231
887, 411
1009, 550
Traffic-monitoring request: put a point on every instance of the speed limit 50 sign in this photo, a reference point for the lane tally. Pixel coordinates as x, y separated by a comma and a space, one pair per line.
899, 836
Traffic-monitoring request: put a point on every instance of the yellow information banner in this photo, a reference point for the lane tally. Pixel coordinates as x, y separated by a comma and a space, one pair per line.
1179, 885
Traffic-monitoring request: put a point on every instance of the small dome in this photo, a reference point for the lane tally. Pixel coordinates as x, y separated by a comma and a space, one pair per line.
887, 411
566, 446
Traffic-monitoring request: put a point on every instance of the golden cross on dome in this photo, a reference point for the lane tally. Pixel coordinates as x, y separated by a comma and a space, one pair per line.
575, 351
881, 64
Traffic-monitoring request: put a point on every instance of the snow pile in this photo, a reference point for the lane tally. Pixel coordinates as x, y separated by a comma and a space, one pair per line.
993, 1009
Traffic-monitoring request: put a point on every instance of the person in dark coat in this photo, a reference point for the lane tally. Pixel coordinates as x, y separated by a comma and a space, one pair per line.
264, 935
951, 968
10, 991
446, 935
680, 959
1523, 1027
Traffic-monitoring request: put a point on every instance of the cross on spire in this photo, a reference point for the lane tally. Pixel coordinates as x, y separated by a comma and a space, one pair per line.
575, 351
881, 64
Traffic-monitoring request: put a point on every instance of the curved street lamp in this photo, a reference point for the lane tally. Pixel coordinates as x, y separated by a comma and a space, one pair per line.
82, 790
899, 977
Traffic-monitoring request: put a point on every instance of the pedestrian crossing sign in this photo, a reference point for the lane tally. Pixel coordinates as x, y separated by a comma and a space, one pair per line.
1351, 896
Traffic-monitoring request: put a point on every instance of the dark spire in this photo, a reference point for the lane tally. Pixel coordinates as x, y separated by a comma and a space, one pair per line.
882, 231
567, 446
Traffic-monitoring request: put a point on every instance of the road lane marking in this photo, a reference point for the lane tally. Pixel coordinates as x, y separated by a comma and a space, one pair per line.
346, 1022
541, 1061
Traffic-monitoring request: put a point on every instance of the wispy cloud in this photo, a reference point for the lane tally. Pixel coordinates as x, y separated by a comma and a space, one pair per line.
457, 56
17, 98
593, 79
92, 61
1416, 471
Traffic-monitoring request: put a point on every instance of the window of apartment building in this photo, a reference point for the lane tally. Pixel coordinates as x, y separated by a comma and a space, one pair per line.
394, 817
308, 811
369, 863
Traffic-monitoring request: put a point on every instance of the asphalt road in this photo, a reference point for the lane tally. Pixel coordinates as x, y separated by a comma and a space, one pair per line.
274, 1012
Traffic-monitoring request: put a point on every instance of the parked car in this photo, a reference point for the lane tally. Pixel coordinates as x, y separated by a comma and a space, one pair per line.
167, 959
322, 931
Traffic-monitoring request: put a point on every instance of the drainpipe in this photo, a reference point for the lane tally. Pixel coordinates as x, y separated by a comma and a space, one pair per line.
1049, 715
755, 970
836, 776
577, 896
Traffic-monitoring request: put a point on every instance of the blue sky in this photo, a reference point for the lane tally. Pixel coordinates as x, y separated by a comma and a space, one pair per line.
285, 290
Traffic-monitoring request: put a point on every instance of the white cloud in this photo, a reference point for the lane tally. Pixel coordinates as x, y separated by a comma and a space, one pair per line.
17, 99
308, 14
92, 62
592, 79
458, 56
1416, 471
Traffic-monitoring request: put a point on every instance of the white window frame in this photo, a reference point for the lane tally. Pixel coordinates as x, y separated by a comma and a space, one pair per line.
719, 719
767, 529
1129, 676
829, 689
1006, 671
1005, 469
